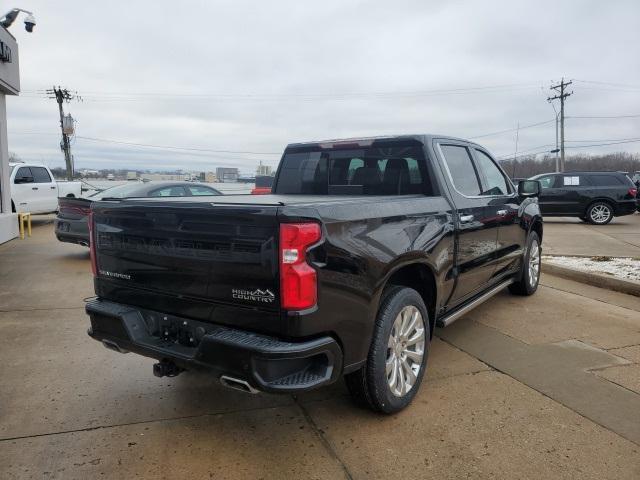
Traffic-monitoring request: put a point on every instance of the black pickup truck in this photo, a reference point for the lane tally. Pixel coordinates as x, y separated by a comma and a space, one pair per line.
363, 248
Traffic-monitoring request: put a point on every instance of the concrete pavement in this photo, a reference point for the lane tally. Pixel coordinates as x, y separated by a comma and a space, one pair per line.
504, 396
570, 236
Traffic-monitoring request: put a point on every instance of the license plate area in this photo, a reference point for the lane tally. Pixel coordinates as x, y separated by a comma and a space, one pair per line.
170, 331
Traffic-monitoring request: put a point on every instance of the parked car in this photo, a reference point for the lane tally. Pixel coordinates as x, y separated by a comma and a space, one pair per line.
594, 197
364, 246
71, 222
34, 190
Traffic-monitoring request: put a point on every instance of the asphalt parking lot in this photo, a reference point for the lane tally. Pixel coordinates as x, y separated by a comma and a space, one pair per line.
540, 387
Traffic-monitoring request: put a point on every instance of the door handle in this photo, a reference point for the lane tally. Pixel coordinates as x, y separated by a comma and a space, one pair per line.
466, 218
52, 188
34, 188
502, 213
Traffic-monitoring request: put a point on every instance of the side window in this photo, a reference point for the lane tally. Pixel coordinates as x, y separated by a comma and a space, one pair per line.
23, 173
574, 181
605, 181
547, 182
197, 190
460, 165
354, 165
168, 192
40, 175
496, 183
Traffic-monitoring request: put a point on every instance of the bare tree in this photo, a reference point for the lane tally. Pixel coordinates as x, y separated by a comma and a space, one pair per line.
527, 166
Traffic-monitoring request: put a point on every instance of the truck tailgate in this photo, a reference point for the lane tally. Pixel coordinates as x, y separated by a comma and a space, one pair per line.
218, 254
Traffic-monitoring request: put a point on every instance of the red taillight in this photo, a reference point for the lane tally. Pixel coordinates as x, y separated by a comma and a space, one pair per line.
73, 210
92, 245
261, 191
298, 281
633, 192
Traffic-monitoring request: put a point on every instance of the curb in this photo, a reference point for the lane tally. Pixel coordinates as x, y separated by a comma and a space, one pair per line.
597, 280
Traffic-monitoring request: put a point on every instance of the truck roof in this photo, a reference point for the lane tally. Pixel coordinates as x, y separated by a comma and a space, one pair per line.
423, 138
262, 200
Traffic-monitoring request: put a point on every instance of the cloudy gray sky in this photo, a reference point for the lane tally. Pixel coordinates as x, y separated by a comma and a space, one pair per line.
253, 76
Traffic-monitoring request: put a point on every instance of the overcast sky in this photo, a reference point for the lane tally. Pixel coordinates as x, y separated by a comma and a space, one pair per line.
254, 76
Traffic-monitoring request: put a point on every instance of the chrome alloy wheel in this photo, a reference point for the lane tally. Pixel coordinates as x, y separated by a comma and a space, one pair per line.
600, 213
405, 350
534, 263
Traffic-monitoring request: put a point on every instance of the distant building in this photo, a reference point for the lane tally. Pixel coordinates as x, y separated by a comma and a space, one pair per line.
264, 170
210, 177
227, 175
163, 177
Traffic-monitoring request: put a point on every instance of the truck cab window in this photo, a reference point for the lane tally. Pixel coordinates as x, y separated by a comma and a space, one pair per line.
496, 182
168, 192
40, 175
461, 168
23, 175
375, 170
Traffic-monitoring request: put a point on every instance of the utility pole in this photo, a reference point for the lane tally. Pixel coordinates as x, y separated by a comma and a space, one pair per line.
515, 155
62, 95
560, 88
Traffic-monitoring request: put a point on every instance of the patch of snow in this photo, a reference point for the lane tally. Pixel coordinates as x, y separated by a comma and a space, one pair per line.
624, 268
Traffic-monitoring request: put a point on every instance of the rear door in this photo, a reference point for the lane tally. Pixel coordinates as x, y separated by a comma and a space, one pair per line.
575, 192
503, 204
477, 234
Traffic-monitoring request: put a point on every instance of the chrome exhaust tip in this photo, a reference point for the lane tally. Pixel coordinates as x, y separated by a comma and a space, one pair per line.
237, 384
113, 346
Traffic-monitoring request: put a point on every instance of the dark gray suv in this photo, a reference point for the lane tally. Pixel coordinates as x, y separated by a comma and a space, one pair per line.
594, 197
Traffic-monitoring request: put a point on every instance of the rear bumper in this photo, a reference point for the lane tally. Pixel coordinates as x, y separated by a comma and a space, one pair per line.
72, 231
626, 208
266, 363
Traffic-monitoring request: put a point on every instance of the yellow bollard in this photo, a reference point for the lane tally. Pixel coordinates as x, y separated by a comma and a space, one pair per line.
22, 217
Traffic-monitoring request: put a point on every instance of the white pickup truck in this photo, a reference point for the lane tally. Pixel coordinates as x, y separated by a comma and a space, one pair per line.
33, 188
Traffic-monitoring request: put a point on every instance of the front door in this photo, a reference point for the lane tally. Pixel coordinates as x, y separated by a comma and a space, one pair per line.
23, 192
477, 234
504, 207
551, 198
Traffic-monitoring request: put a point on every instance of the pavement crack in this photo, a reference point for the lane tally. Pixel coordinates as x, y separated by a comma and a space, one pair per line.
586, 296
320, 434
141, 422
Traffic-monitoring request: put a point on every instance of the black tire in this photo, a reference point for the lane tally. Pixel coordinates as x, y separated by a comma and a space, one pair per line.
529, 278
369, 386
599, 213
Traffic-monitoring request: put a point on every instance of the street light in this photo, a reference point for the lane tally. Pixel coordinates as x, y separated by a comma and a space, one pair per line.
11, 15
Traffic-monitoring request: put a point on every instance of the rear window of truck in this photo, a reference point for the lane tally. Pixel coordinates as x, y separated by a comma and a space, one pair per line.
374, 170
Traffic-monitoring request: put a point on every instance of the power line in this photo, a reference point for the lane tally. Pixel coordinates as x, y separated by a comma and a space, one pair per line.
172, 147
603, 116
586, 145
613, 84
512, 129
631, 140
133, 96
